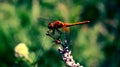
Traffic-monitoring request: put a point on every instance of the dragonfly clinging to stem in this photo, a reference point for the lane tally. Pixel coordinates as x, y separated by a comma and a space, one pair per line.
56, 25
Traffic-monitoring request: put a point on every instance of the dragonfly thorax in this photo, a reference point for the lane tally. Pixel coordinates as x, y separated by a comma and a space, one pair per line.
55, 25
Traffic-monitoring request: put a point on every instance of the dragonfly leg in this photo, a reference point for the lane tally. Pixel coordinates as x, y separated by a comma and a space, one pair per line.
49, 33
57, 39
60, 33
53, 32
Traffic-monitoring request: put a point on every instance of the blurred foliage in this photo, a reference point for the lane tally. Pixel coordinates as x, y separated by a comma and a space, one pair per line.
96, 44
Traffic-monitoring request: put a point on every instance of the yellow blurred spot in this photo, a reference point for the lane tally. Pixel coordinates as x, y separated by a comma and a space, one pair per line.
21, 50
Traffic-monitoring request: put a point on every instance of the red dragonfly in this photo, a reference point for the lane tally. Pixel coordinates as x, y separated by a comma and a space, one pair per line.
59, 24
55, 25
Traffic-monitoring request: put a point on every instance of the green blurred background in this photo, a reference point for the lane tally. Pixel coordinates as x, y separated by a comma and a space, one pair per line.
96, 44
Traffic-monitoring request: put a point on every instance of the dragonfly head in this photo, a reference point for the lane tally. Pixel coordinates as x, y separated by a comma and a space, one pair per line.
51, 25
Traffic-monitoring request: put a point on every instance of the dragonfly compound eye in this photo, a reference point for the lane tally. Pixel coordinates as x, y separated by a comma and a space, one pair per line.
51, 25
